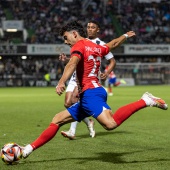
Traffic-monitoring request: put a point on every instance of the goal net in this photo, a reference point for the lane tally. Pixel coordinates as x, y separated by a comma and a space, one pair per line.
144, 73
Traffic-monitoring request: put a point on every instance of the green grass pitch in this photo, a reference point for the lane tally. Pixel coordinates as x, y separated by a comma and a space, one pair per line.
140, 143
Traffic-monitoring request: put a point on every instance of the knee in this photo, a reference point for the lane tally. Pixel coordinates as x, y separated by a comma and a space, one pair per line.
110, 126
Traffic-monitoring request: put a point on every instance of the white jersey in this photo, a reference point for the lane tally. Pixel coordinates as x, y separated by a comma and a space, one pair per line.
100, 42
72, 83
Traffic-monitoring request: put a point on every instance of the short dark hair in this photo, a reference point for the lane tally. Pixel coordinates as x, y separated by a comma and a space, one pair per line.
73, 25
94, 22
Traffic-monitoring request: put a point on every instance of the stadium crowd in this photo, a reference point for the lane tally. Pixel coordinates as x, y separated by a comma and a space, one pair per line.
35, 68
151, 21
42, 19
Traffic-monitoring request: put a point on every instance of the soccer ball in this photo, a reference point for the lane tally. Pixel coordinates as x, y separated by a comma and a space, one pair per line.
11, 153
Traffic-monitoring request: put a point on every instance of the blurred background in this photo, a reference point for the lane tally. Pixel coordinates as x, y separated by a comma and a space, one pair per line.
30, 44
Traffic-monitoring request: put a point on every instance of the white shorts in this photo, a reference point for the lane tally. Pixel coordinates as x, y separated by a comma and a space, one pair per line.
71, 87
72, 83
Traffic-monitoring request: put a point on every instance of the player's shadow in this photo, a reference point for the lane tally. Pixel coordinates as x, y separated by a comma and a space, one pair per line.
111, 157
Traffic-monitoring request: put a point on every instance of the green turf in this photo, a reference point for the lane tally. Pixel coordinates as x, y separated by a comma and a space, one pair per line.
140, 143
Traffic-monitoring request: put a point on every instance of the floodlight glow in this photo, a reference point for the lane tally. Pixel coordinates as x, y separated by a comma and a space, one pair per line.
24, 57
11, 30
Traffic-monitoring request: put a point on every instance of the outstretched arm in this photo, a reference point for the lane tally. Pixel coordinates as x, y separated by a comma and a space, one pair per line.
118, 41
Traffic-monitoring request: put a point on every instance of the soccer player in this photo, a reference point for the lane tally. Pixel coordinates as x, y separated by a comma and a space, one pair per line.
112, 80
86, 60
71, 97
93, 28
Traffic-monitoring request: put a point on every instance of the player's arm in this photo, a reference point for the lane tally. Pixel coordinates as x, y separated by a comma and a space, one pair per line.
111, 66
68, 71
118, 41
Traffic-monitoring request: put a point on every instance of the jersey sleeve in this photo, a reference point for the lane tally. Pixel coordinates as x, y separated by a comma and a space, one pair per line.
106, 50
77, 50
109, 56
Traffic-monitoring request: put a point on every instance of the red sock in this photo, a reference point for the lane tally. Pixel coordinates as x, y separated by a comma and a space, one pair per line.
45, 136
117, 84
125, 112
110, 89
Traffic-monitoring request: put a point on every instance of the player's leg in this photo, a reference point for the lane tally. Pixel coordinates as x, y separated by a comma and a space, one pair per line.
110, 121
90, 126
110, 83
122, 81
106, 120
110, 93
115, 82
71, 97
59, 120
70, 134
146, 100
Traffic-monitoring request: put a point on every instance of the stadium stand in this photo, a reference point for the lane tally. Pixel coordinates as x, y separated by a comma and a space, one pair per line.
43, 18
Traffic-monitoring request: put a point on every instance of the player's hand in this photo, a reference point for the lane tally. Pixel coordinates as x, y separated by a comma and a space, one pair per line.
60, 88
103, 76
63, 57
131, 34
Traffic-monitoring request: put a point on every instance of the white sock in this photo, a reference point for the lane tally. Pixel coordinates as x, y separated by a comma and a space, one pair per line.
28, 148
146, 101
86, 121
73, 127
